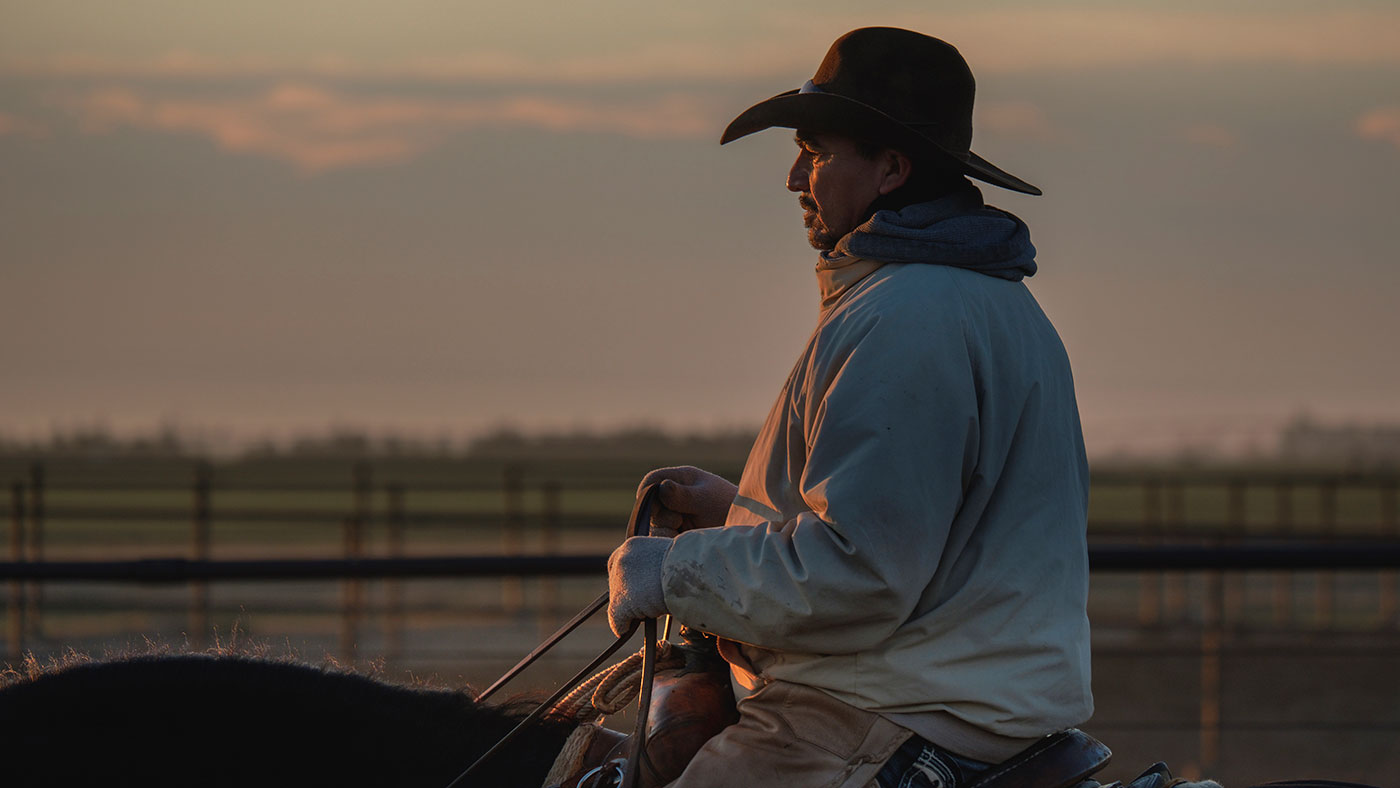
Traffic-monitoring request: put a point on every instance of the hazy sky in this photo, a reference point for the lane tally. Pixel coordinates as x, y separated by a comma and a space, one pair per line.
434, 216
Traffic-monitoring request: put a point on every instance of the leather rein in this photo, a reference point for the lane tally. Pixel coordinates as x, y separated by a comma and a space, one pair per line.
637, 525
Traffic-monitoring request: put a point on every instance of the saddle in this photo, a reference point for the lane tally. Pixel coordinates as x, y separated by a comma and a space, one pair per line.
689, 705
692, 703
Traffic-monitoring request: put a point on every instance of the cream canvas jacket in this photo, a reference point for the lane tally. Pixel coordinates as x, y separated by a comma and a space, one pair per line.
909, 532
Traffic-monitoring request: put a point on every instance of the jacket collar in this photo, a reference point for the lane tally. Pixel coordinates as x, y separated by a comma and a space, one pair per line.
838, 273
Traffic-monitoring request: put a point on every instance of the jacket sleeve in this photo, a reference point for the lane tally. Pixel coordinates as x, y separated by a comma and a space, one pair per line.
891, 433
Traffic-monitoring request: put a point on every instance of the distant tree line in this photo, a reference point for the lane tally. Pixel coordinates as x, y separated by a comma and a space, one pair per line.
1353, 445
1303, 441
343, 442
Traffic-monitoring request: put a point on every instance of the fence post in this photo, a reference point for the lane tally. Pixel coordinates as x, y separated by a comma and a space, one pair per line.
34, 599
15, 612
1283, 581
393, 589
1326, 579
1211, 634
1174, 606
198, 623
512, 537
549, 545
1390, 527
1234, 592
353, 589
349, 592
363, 494
1150, 583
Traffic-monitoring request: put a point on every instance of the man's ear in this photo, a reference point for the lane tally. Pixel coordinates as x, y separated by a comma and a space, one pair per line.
897, 168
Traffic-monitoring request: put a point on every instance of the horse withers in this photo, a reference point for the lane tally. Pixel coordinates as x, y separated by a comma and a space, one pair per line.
236, 722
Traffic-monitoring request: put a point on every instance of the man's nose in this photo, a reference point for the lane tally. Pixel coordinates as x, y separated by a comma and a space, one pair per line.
797, 176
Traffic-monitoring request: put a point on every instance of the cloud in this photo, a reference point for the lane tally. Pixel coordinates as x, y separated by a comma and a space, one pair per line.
781, 44
1209, 135
1038, 39
1020, 119
316, 129
645, 63
16, 126
1381, 123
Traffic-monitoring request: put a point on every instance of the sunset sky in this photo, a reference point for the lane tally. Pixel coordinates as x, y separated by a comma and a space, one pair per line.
261, 218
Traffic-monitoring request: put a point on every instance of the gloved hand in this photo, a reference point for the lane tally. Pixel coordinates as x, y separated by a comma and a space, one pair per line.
634, 581
690, 498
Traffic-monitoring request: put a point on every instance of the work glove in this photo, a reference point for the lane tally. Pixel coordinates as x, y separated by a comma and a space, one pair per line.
690, 498
634, 582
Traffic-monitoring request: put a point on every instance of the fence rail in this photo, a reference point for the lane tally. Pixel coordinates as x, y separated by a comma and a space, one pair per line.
1102, 558
1169, 548
1179, 518
1153, 504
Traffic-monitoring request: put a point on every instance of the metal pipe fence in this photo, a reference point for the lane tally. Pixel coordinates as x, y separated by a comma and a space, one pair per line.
1197, 555
1102, 558
1222, 516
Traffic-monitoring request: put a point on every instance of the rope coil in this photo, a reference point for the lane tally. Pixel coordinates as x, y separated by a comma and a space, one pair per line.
612, 689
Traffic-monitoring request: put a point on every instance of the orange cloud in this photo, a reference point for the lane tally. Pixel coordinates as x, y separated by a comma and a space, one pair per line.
1014, 119
645, 63
316, 129
778, 44
1381, 123
1101, 35
1210, 135
14, 125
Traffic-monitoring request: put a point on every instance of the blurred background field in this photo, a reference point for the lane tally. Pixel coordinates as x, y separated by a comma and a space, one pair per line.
233, 222
1242, 675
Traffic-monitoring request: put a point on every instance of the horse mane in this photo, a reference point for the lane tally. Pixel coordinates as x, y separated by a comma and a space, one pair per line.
221, 720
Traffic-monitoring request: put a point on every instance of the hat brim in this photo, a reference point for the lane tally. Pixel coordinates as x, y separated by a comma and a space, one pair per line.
841, 115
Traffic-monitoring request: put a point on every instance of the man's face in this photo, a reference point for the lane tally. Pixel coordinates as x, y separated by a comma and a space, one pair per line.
835, 185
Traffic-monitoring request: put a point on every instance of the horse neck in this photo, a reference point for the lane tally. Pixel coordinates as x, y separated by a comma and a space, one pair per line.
242, 722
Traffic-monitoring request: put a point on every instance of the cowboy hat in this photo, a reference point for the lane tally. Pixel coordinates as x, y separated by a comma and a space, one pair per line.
895, 87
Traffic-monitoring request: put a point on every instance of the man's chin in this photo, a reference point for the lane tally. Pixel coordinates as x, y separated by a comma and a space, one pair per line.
820, 240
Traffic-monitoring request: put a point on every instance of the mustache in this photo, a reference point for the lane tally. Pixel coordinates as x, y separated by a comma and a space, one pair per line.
807, 203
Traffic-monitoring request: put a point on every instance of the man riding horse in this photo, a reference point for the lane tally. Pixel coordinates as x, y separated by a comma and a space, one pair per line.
898, 581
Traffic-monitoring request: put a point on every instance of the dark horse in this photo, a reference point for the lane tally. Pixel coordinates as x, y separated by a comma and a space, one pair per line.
199, 720
236, 721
